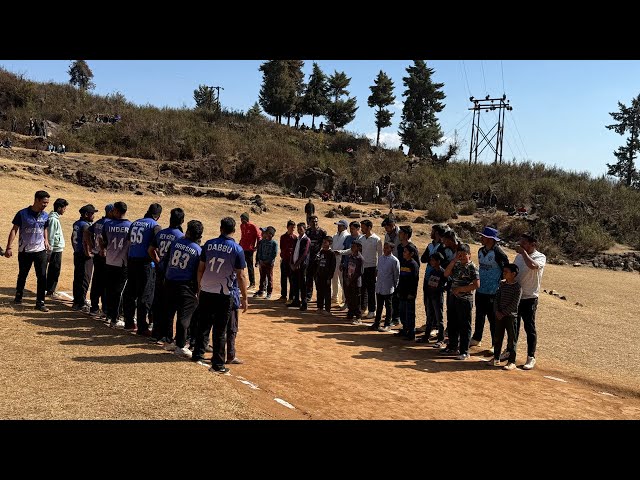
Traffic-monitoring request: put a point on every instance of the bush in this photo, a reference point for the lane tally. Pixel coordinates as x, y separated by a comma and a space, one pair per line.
442, 209
591, 239
467, 208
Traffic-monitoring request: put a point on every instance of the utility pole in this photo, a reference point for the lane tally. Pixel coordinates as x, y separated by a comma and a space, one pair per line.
218, 98
487, 104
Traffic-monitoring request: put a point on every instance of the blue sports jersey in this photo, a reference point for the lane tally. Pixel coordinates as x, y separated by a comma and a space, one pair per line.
183, 260
163, 241
491, 263
96, 230
32, 226
222, 256
140, 237
116, 235
77, 235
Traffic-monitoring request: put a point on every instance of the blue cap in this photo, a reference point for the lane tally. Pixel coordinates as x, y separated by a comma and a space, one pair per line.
344, 223
108, 207
490, 233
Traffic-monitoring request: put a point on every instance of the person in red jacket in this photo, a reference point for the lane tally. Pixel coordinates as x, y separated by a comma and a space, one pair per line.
249, 239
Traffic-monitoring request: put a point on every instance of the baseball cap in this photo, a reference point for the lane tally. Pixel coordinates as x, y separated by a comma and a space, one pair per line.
108, 207
344, 223
88, 209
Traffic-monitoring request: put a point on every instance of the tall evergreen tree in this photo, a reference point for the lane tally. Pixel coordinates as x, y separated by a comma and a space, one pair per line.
297, 76
419, 129
254, 112
80, 75
316, 97
278, 90
628, 119
340, 112
205, 97
381, 96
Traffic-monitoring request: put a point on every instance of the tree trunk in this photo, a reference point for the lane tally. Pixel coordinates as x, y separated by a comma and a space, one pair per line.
288, 120
378, 138
313, 122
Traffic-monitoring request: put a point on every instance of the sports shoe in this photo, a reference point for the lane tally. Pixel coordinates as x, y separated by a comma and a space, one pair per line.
17, 300
326, 313
131, 328
344, 307
258, 294
85, 309
56, 295
87, 302
439, 345
449, 351
509, 366
504, 355
371, 315
433, 333
222, 371
531, 362
282, 298
169, 346
395, 322
495, 362
422, 339
463, 356
208, 349
94, 312
268, 297
117, 324
294, 305
162, 341
374, 326
76, 308
183, 352
43, 308
475, 343
303, 307
144, 333
356, 321
386, 328
235, 361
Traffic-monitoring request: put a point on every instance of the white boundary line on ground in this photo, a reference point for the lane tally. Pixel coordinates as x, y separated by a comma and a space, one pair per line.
66, 295
285, 403
555, 378
607, 394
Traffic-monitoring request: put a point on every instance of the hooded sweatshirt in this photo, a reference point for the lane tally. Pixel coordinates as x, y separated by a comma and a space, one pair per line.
56, 238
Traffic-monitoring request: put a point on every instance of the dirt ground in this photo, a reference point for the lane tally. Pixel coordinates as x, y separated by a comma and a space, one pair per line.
64, 364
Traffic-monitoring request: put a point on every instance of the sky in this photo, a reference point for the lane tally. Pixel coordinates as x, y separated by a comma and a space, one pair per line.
560, 107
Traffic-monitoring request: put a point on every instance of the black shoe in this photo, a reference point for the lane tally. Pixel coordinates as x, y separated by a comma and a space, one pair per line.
220, 371
399, 333
423, 339
17, 300
395, 323
208, 349
374, 326
42, 307
303, 307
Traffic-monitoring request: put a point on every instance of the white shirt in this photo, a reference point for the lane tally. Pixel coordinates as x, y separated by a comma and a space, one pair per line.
371, 250
338, 240
296, 251
528, 278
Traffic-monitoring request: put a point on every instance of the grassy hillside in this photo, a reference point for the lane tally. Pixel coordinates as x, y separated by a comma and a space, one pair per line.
576, 215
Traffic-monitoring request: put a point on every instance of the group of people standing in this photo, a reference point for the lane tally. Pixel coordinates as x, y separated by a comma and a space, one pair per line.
144, 271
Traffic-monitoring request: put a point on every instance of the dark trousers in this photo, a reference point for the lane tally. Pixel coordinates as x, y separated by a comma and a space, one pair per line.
484, 307
214, 312
53, 271
98, 283
434, 307
450, 316
180, 298
408, 316
460, 324
299, 284
285, 280
116, 279
395, 306
323, 293
82, 269
386, 302
368, 298
353, 300
232, 332
248, 258
158, 308
266, 277
39, 261
507, 323
311, 273
527, 312
138, 294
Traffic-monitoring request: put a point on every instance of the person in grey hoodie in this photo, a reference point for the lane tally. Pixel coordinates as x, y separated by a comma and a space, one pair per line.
56, 240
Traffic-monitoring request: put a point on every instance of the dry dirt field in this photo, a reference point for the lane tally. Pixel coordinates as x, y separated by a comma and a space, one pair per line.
66, 365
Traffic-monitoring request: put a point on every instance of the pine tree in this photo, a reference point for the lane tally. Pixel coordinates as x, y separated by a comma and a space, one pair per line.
340, 112
294, 68
254, 112
419, 129
205, 97
382, 96
80, 75
316, 97
629, 121
278, 90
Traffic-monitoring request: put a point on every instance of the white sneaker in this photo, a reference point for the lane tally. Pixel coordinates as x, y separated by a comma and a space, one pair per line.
118, 324
87, 302
531, 362
504, 356
475, 343
183, 352
509, 366
494, 363
56, 295
371, 315
462, 356
344, 307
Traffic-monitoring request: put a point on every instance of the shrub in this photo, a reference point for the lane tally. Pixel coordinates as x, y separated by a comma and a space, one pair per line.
467, 208
442, 209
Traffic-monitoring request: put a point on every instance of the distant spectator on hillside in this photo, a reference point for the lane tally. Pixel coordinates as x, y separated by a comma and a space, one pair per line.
309, 210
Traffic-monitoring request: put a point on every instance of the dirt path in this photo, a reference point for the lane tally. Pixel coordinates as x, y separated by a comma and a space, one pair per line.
67, 365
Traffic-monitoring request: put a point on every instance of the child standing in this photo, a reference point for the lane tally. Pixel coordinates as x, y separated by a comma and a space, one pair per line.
407, 291
265, 258
464, 280
386, 285
434, 299
506, 308
325, 268
353, 282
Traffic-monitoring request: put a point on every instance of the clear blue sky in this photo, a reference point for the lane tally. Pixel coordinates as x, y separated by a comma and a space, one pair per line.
560, 108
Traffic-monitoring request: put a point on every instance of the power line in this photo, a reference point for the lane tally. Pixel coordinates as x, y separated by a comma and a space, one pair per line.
502, 70
518, 148
466, 78
463, 119
483, 78
519, 136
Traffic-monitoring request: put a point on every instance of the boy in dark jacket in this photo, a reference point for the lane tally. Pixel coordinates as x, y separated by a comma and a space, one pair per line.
325, 268
434, 299
353, 282
407, 291
265, 258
